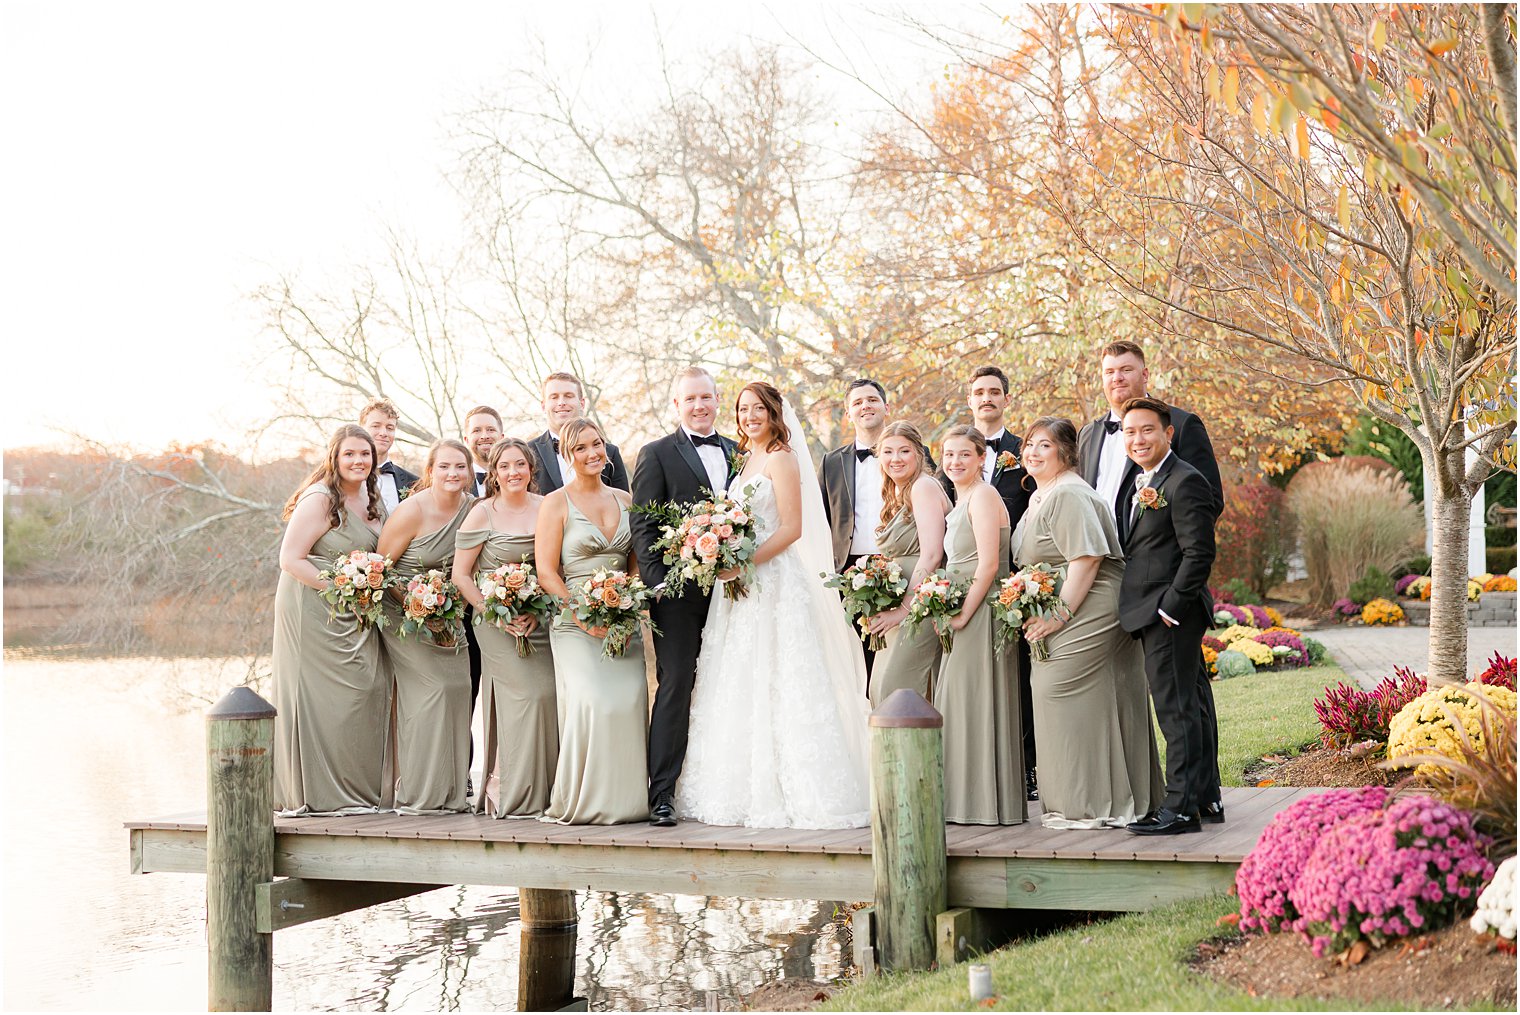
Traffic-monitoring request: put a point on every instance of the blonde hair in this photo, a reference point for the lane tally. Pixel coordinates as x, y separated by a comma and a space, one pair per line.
893, 499
571, 432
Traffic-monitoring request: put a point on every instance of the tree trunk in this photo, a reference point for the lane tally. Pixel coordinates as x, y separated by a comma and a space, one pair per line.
1448, 570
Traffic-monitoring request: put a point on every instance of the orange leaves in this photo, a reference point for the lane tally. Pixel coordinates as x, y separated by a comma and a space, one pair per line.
1301, 138
1229, 91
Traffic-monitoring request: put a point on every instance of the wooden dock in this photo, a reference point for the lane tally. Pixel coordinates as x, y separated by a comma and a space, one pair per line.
1011, 867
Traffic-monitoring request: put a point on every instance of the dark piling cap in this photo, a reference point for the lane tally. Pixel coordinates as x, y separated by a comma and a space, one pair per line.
241, 703
906, 709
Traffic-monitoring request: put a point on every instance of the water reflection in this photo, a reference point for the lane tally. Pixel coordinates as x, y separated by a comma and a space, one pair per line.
89, 743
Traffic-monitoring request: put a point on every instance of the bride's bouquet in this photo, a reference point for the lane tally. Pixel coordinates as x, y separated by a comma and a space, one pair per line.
357, 584
937, 600
703, 538
616, 601
1034, 591
513, 591
433, 609
867, 587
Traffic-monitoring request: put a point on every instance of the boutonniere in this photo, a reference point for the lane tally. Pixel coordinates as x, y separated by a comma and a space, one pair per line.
1149, 498
736, 461
1006, 460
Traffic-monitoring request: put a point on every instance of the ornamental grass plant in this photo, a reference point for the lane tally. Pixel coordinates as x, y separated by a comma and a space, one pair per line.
1350, 519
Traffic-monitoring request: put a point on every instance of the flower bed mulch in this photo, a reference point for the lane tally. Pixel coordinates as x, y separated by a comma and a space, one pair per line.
1453, 967
1320, 766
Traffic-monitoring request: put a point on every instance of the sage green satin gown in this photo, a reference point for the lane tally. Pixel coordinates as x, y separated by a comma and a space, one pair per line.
977, 691
911, 657
331, 691
516, 696
1092, 713
432, 692
602, 774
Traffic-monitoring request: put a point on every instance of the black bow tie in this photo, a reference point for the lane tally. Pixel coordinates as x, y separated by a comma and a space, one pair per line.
555, 442
1110, 425
387, 468
861, 454
994, 444
712, 440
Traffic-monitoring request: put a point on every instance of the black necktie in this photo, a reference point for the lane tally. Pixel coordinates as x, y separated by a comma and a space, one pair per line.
1110, 425
711, 440
861, 454
387, 468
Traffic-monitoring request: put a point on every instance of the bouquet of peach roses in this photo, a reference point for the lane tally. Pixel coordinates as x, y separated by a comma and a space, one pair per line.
702, 539
937, 601
1034, 591
433, 609
616, 601
513, 591
357, 584
871, 585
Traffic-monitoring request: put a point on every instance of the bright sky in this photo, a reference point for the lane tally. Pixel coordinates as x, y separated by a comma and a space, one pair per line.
165, 159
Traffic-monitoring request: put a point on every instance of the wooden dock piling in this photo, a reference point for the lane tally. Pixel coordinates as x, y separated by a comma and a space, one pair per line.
239, 850
908, 859
546, 952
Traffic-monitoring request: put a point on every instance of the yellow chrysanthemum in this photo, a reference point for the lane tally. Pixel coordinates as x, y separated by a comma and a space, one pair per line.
1380, 612
1255, 651
1499, 583
1235, 633
1474, 590
1209, 657
1427, 725
1275, 615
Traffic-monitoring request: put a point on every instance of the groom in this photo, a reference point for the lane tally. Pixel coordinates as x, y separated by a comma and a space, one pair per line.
690, 464
1164, 601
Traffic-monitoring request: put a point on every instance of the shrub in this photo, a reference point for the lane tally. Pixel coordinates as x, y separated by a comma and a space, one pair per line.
1259, 654
1500, 672
1209, 641
1221, 595
1226, 614
1496, 904
1253, 539
1372, 436
1401, 587
1239, 592
1389, 873
1382, 612
1259, 615
1415, 565
1275, 616
1499, 583
1270, 870
1419, 588
1481, 777
1317, 651
1210, 660
1230, 635
1349, 715
1349, 520
1429, 724
1346, 608
1232, 663
1499, 559
1373, 584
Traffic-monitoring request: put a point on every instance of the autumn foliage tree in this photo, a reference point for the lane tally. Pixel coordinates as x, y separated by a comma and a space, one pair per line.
1348, 173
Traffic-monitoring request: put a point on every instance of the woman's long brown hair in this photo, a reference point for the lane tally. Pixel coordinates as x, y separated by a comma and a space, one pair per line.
326, 476
893, 499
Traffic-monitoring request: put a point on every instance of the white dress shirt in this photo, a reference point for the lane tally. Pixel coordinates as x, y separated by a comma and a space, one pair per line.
388, 491
867, 504
989, 459
1112, 464
712, 461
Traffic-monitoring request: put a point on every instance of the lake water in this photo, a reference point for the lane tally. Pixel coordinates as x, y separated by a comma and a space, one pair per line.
91, 743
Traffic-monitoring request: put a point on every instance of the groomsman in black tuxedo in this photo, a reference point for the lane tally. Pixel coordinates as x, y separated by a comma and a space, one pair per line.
850, 477
379, 417
1164, 601
988, 398
1100, 447
565, 399
482, 429
690, 464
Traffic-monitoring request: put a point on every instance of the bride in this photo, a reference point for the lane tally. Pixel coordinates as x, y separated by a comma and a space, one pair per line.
778, 713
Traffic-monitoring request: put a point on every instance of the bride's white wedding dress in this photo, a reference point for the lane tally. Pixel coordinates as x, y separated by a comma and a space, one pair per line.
778, 714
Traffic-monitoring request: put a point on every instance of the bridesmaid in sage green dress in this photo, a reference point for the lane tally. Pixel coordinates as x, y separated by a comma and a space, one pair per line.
912, 533
331, 684
602, 774
516, 692
978, 689
1098, 761
432, 733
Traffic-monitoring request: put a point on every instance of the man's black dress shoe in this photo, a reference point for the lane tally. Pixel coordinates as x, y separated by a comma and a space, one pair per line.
1167, 822
1212, 813
662, 814
1031, 785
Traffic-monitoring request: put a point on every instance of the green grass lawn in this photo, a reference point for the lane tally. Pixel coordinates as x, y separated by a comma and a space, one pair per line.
1138, 961
1134, 962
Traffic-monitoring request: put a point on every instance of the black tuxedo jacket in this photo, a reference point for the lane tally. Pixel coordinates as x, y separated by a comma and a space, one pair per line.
1170, 549
404, 480
1013, 485
836, 478
1190, 442
614, 473
667, 470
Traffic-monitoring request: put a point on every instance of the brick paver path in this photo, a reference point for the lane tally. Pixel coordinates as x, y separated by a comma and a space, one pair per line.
1370, 653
